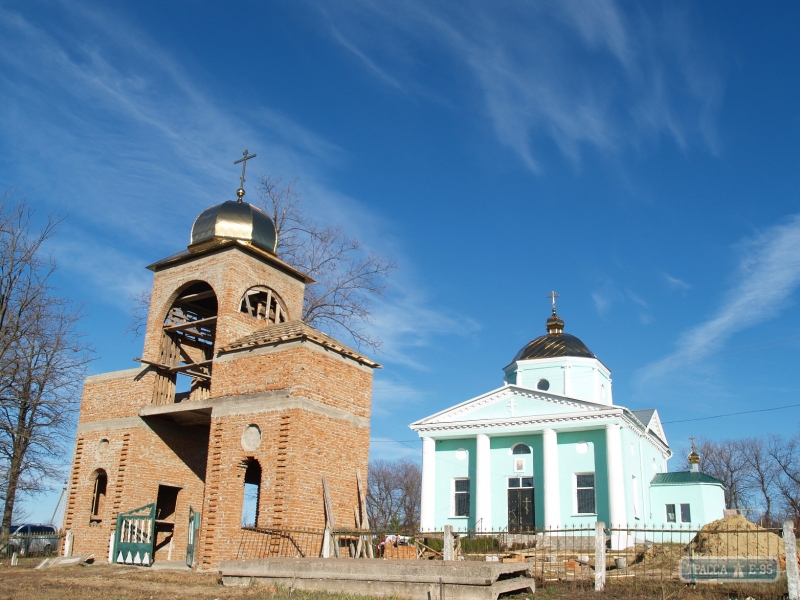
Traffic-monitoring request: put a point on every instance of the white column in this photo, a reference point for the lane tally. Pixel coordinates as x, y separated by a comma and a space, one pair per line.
483, 484
567, 381
616, 484
552, 495
428, 499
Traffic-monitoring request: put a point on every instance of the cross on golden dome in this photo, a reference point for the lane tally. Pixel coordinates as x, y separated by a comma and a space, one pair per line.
243, 160
553, 296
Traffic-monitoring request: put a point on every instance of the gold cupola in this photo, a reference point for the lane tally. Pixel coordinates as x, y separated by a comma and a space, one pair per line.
694, 458
235, 220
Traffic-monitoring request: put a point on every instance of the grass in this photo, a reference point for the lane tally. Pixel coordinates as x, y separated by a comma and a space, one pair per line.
107, 582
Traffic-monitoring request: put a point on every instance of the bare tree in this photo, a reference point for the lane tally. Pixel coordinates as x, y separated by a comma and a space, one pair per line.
786, 454
393, 494
761, 473
42, 358
724, 460
139, 312
346, 277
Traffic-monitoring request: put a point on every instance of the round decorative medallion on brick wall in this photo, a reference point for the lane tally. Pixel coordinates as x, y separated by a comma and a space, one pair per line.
251, 437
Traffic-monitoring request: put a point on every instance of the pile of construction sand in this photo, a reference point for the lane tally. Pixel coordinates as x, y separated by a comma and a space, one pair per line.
736, 536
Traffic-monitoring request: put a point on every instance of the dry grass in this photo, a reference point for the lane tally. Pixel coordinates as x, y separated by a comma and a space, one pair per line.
106, 582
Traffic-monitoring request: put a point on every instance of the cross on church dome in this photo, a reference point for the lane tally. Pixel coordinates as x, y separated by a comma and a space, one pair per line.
556, 343
235, 220
243, 160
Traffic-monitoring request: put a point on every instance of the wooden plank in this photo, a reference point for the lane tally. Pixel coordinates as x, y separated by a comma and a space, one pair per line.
331, 522
196, 297
207, 322
362, 500
360, 545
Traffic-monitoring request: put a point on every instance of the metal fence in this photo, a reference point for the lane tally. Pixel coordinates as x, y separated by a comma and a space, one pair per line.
25, 548
584, 555
262, 542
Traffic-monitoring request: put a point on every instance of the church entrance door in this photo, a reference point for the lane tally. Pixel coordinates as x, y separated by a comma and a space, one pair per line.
520, 505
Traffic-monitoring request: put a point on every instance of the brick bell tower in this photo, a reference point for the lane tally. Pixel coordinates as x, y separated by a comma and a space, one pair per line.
233, 389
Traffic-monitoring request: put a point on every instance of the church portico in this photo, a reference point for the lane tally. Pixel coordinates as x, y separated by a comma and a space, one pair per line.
537, 458
549, 450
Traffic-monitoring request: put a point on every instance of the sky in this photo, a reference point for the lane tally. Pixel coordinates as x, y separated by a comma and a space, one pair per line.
639, 159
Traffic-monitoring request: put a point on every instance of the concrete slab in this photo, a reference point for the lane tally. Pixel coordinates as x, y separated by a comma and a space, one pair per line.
169, 565
458, 580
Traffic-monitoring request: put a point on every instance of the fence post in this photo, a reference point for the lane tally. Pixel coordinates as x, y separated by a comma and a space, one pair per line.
599, 556
326, 543
68, 540
792, 575
111, 548
447, 551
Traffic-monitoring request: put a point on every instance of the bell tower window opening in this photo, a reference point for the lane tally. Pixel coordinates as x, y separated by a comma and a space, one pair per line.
252, 493
263, 303
187, 345
99, 495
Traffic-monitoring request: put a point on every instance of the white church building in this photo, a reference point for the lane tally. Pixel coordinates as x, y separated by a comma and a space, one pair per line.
550, 449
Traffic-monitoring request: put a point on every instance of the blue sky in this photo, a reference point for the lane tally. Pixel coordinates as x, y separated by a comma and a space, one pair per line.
639, 159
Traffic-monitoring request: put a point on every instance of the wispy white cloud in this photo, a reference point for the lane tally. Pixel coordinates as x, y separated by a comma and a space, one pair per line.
675, 283
577, 75
389, 396
603, 299
406, 321
366, 60
609, 293
767, 275
133, 147
389, 449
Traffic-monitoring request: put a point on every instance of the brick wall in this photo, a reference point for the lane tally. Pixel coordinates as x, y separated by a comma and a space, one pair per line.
136, 461
328, 434
297, 448
306, 368
230, 272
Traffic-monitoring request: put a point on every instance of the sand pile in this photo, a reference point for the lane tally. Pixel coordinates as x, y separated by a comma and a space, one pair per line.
736, 536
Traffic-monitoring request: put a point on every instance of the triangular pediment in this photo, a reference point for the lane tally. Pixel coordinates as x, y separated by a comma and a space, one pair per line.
655, 426
652, 422
511, 401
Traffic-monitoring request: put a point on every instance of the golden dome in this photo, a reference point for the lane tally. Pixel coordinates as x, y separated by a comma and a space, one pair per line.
694, 457
234, 220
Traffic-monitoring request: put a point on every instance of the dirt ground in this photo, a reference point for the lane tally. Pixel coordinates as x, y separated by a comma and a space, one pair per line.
107, 582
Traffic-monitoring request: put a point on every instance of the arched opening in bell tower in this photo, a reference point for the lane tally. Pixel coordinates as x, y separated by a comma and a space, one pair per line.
187, 345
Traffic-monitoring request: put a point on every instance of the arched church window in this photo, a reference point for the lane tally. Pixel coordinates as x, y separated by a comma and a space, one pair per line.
263, 303
543, 385
252, 493
99, 494
521, 449
187, 345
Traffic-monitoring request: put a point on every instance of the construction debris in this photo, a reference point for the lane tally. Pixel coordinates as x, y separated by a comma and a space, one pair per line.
736, 536
66, 561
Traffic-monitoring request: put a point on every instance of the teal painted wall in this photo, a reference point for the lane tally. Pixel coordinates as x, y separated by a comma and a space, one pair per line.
651, 507
582, 378
570, 462
502, 466
448, 467
706, 503
522, 407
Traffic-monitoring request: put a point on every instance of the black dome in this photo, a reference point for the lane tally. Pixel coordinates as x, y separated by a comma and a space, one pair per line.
554, 345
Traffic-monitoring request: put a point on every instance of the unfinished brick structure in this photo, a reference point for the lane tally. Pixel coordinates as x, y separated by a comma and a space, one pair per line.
270, 401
